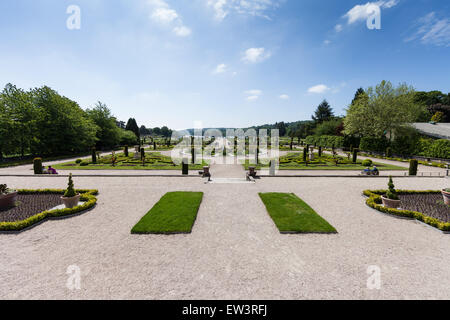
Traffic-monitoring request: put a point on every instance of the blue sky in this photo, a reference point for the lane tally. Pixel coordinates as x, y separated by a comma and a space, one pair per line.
226, 63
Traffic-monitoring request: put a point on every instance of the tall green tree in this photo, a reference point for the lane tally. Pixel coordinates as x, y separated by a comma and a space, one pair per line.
133, 126
381, 110
324, 112
108, 134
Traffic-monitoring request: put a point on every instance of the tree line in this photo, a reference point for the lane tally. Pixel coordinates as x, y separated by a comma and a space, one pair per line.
42, 122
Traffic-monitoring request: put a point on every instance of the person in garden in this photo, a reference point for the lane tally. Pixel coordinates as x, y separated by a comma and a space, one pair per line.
51, 170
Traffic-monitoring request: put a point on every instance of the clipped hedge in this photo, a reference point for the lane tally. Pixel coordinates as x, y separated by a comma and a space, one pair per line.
86, 195
326, 141
374, 201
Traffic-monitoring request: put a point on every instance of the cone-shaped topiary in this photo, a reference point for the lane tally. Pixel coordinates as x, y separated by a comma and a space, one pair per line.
392, 194
94, 155
37, 165
413, 164
70, 191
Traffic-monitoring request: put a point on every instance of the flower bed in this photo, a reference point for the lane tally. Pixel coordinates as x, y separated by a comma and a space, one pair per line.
374, 201
88, 196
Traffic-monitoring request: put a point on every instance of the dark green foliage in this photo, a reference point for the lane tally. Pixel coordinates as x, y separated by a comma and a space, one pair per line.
78, 161
70, 191
305, 153
142, 153
355, 155
413, 164
326, 141
374, 144
367, 163
185, 168
37, 166
132, 126
127, 137
108, 134
154, 145
391, 193
320, 151
94, 155
125, 151
84, 164
388, 152
324, 112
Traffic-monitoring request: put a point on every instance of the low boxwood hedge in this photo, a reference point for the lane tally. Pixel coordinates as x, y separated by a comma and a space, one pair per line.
374, 201
86, 195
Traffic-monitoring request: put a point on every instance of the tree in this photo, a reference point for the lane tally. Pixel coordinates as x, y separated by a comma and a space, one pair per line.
358, 93
108, 134
331, 128
156, 131
281, 126
132, 126
381, 110
165, 131
324, 112
127, 137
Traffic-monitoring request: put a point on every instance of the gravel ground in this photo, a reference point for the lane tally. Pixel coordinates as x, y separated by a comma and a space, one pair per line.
234, 251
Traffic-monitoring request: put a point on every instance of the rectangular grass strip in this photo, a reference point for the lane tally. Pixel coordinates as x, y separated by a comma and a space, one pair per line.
292, 215
174, 213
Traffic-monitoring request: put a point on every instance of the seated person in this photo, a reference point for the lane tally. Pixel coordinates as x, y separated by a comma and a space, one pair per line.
44, 170
51, 170
375, 169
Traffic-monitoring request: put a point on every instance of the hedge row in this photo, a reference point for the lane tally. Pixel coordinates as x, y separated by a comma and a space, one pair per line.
325, 141
374, 201
86, 195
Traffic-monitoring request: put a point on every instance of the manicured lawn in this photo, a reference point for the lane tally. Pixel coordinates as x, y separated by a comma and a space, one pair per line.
292, 215
153, 161
174, 213
294, 161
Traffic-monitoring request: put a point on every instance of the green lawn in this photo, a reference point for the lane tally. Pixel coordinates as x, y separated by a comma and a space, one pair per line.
174, 213
293, 215
294, 161
153, 161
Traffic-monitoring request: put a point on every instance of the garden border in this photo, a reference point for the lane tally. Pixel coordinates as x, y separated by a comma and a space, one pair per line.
87, 195
374, 202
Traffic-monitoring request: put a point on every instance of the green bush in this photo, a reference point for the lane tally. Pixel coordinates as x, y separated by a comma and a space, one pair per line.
355, 155
70, 191
374, 144
391, 193
367, 163
388, 152
94, 156
125, 151
84, 164
37, 165
78, 161
413, 164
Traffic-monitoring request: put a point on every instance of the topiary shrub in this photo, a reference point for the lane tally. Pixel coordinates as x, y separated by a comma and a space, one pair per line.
367, 163
391, 193
84, 164
388, 152
78, 161
37, 165
125, 151
413, 164
355, 155
305, 153
94, 156
70, 191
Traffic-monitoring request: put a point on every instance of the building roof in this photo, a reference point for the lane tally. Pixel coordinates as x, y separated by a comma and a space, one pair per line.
438, 130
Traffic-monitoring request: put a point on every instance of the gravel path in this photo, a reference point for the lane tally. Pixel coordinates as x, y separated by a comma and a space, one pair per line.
234, 251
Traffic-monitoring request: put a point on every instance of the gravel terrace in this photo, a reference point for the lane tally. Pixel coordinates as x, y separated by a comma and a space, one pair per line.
234, 251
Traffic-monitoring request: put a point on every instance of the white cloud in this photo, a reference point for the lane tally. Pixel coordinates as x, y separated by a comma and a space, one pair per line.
255, 55
253, 95
361, 12
326, 42
164, 15
182, 31
284, 97
320, 88
338, 28
221, 68
222, 8
432, 30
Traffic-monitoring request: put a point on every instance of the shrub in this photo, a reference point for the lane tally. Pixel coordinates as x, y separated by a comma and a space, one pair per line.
84, 164
388, 152
125, 151
413, 164
355, 155
391, 193
70, 191
374, 144
305, 153
94, 156
437, 117
78, 161
367, 163
37, 165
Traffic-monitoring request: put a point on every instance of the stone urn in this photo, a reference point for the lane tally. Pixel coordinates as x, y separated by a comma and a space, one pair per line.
390, 203
446, 195
71, 202
8, 200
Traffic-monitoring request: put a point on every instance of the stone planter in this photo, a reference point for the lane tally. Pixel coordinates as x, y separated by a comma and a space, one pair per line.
389, 203
8, 200
71, 202
446, 196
